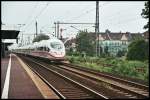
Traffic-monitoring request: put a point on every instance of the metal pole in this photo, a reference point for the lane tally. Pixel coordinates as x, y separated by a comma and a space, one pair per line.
58, 29
28, 40
97, 27
95, 41
22, 40
36, 28
75, 23
55, 28
4, 49
17, 40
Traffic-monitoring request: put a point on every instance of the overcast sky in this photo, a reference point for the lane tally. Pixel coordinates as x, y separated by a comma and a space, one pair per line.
124, 16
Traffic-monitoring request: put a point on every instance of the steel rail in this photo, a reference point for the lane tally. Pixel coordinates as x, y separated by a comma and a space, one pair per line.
88, 89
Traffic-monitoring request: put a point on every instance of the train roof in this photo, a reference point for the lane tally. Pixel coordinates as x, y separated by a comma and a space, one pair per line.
36, 44
13, 46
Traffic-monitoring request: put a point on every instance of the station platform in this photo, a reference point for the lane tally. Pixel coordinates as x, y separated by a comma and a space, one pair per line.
19, 82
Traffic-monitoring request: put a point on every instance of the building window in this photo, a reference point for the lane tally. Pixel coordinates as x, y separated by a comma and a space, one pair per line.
106, 43
123, 42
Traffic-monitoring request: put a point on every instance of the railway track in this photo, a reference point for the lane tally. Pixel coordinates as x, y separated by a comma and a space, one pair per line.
117, 88
64, 87
139, 90
110, 77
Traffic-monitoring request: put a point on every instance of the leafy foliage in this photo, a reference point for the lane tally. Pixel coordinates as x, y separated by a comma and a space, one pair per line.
85, 43
106, 50
40, 37
145, 14
138, 50
121, 53
119, 66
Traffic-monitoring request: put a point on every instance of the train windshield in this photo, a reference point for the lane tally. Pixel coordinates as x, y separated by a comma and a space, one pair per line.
56, 45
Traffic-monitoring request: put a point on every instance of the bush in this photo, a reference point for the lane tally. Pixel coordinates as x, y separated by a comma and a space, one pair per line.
85, 43
136, 64
138, 50
120, 53
120, 67
71, 60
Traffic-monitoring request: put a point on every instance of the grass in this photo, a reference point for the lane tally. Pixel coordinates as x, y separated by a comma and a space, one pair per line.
134, 69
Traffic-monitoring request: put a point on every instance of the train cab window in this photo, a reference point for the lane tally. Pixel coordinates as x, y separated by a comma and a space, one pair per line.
56, 45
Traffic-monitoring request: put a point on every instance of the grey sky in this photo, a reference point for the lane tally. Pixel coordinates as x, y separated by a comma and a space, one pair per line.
113, 15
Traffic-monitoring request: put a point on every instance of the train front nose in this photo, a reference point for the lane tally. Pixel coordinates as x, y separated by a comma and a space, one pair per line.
57, 54
57, 49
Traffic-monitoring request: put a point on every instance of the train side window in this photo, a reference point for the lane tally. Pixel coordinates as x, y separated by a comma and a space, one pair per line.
48, 49
44, 48
40, 48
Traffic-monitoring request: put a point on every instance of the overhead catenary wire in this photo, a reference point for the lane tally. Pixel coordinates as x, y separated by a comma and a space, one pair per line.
110, 16
118, 13
123, 23
87, 12
74, 17
115, 22
37, 16
28, 25
94, 9
85, 8
127, 21
31, 13
26, 22
131, 15
121, 19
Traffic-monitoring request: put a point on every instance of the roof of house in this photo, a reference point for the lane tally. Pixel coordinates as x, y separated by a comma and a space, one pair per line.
146, 34
135, 35
117, 36
110, 36
69, 42
9, 34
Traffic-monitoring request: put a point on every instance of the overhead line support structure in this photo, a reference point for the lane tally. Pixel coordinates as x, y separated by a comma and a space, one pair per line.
36, 27
57, 24
97, 30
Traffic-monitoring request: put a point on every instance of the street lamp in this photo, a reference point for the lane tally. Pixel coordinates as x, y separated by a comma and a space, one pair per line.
75, 28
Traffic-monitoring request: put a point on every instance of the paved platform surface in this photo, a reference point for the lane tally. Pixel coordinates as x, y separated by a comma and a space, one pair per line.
21, 86
4, 65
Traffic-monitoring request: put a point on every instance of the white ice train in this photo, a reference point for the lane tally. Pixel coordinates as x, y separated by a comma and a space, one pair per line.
52, 49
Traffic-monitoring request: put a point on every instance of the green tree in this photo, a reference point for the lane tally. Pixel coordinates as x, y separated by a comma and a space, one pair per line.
85, 43
138, 50
121, 53
145, 14
40, 37
106, 50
